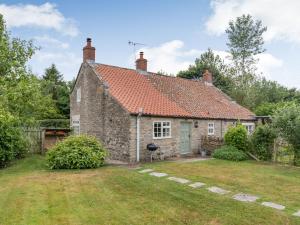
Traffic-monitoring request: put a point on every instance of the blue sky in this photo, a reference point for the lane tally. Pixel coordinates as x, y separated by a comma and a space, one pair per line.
175, 32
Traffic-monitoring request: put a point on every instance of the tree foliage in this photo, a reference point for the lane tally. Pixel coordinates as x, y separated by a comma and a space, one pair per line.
13, 144
262, 142
287, 122
209, 61
58, 89
245, 41
20, 91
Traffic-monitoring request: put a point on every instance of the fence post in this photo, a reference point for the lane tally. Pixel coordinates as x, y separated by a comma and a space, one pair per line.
274, 151
42, 133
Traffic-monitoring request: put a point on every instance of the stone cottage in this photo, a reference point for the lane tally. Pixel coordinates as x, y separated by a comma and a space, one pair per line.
126, 109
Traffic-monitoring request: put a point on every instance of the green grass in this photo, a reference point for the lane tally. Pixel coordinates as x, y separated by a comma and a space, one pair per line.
31, 194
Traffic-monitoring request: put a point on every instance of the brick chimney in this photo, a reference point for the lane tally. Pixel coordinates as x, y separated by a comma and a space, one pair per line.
141, 63
89, 52
207, 77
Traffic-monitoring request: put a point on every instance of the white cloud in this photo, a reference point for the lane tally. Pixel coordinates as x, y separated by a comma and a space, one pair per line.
41, 16
67, 62
280, 16
49, 41
171, 57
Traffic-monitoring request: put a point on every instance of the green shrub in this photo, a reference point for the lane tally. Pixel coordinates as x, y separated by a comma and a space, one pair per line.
56, 123
262, 142
76, 152
237, 136
229, 153
13, 144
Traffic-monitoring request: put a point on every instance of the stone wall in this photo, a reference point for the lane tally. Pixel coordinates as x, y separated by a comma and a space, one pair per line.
170, 147
100, 114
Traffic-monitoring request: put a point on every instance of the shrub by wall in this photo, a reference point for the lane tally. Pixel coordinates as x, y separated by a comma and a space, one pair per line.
262, 142
13, 144
229, 153
76, 152
237, 136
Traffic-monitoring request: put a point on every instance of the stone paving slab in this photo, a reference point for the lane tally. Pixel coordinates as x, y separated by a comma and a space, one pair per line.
158, 174
218, 190
273, 205
179, 180
146, 171
297, 213
197, 185
245, 197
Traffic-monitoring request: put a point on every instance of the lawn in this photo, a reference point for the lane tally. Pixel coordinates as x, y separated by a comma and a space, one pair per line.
31, 194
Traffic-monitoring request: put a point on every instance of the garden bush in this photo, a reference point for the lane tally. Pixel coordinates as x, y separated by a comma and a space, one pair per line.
229, 153
76, 152
237, 136
262, 142
13, 144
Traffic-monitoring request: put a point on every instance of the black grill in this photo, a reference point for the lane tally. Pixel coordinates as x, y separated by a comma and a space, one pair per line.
152, 147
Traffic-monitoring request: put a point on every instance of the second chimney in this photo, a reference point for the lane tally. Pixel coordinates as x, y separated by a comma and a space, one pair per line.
141, 63
89, 52
207, 77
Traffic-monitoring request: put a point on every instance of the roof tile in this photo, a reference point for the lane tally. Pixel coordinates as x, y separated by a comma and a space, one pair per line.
169, 96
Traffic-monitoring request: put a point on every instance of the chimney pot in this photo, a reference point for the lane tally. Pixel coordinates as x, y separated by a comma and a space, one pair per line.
89, 52
141, 63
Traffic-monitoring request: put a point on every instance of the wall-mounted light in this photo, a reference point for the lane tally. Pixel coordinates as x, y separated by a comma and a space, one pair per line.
196, 124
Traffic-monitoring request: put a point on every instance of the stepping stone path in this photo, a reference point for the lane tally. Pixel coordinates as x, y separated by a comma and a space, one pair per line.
273, 205
158, 174
297, 214
197, 185
179, 180
146, 171
245, 197
218, 190
239, 197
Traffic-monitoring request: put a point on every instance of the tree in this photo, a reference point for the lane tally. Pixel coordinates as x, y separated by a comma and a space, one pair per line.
20, 91
58, 89
287, 122
262, 142
209, 61
14, 54
245, 41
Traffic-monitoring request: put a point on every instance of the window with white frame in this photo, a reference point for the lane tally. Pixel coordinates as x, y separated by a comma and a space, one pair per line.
249, 127
76, 124
78, 95
211, 129
161, 129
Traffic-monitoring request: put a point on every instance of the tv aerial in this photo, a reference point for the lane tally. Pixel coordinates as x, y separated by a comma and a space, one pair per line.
134, 44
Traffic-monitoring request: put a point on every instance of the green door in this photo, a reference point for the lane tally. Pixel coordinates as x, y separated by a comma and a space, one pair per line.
185, 137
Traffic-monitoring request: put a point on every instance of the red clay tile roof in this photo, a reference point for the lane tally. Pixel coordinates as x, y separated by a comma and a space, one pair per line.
168, 96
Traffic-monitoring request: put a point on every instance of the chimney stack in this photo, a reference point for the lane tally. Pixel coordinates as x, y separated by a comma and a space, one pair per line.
141, 63
89, 52
207, 77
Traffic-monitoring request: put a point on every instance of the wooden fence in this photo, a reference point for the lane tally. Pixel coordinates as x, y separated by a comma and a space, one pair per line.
35, 139
282, 152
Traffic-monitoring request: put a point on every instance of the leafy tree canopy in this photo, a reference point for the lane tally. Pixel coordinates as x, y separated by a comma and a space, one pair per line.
209, 61
58, 89
245, 41
287, 121
20, 91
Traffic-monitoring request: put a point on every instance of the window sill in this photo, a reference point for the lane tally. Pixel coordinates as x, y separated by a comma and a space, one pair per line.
159, 138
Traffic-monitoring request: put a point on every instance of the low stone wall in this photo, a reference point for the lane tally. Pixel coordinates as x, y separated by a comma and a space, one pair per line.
210, 143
